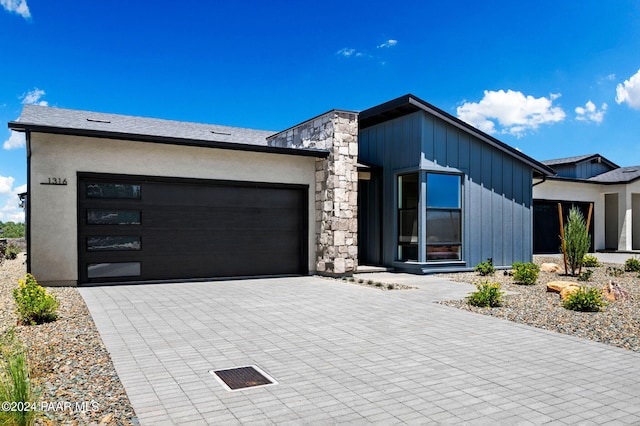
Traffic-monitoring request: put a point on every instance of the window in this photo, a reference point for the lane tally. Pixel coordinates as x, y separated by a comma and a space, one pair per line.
113, 243
113, 217
109, 270
408, 197
113, 190
443, 217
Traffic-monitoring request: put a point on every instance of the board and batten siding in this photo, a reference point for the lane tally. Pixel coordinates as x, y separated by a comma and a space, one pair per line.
582, 170
497, 191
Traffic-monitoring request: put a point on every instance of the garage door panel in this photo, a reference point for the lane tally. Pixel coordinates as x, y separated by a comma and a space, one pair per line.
222, 218
183, 229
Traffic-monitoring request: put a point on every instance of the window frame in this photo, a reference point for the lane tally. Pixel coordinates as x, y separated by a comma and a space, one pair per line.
458, 209
423, 208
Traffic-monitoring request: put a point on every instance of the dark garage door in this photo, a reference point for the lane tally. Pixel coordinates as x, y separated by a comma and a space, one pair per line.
144, 229
546, 224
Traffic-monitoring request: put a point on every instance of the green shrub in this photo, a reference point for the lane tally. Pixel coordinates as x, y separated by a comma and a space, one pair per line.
34, 304
576, 239
488, 295
585, 299
585, 275
632, 265
615, 271
485, 268
590, 261
12, 251
12, 229
390, 287
525, 273
16, 387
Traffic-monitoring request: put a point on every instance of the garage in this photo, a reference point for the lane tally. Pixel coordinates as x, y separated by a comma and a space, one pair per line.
141, 229
546, 224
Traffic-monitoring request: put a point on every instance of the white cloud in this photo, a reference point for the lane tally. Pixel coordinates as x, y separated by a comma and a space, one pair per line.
510, 112
16, 140
388, 43
11, 211
6, 183
16, 6
33, 97
629, 91
346, 52
590, 112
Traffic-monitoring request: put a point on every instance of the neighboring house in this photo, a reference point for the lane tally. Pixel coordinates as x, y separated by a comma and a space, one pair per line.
115, 198
587, 180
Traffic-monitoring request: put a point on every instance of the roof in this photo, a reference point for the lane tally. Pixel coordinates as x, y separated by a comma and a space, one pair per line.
408, 104
37, 118
619, 175
579, 159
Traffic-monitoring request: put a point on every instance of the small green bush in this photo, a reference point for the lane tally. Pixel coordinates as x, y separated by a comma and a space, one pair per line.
615, 271
585, 299
488, 295
34, 304
390, 287
485, 268
585, 275
16, 387
525, 273
11, 252
632, 265
590, 261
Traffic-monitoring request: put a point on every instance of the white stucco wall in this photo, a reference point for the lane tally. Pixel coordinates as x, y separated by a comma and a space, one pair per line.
54, 251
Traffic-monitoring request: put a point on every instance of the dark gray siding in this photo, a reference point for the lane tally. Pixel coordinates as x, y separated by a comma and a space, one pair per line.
587, 169
581, 170
497, 192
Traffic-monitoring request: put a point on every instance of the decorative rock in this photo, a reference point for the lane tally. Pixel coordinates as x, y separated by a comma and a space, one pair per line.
550, 267
565, 292
614, 292
558, 286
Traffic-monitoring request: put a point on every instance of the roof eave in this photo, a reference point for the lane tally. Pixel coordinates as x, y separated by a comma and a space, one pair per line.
591, 181
23, 127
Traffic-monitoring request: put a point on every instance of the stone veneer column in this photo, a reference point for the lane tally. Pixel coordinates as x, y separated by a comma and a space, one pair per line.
336, 201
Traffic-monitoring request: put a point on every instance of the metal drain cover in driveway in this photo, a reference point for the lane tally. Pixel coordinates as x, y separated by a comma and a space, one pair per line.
239, 378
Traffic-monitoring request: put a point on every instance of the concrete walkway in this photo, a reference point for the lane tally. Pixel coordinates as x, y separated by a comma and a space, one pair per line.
344, 353
619, 258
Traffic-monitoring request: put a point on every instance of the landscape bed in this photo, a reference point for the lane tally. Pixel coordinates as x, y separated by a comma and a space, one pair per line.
70, 364
618, 324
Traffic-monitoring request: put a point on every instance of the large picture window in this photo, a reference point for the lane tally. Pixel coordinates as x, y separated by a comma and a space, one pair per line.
443, 217
408, 197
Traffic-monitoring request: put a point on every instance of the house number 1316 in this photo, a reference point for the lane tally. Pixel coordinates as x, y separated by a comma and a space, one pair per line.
55, 181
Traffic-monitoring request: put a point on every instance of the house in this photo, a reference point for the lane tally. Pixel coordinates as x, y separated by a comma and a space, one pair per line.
583, 181
115, 198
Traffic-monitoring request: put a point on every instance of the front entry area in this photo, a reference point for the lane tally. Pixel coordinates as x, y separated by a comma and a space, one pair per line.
134, 228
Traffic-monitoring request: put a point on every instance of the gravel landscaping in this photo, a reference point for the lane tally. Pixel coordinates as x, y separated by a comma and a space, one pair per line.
618, 324
71, 365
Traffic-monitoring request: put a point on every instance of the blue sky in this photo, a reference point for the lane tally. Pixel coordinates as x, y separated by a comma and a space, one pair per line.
551, 78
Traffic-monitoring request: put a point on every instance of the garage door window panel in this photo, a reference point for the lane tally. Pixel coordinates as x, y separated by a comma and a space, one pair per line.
114, 191
113, 270
113, 217
113, 243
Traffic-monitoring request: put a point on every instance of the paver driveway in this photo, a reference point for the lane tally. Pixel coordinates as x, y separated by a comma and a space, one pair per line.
344, 353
